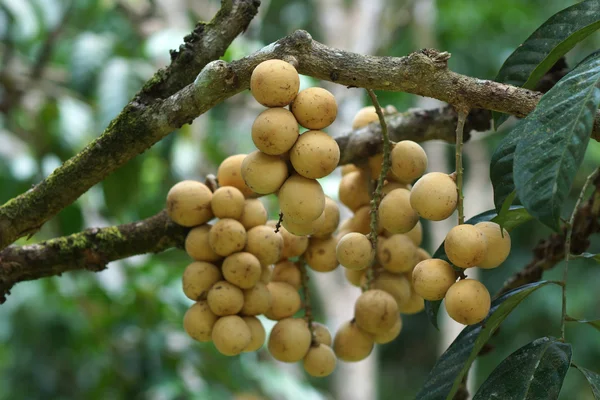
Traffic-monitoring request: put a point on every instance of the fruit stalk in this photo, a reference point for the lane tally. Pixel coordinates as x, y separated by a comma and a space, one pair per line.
306, 293
385, 166
568, 236
462, 116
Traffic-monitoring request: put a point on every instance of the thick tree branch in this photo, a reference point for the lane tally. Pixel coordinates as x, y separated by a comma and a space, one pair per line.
139, 126
90, 250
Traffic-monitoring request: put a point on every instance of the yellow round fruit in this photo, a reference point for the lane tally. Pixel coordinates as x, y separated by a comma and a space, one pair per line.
265, 244
361, 221
354, 190
231, 335
346, 169
397, 253
230, 174
257, 300
315, 155
286, 271
242, 269
330, 219
227, 202
254, 214
468, 302
198, 321
498, 244
389, 335
314, 108
320, 254
257, 334
293, 245
289, 340
299, 229
351, 343
465, 246
434, 196
285, 300
397, 285
354, 276
274, 83
188, 203
263, 173
198, 278
413, 305
355, 251
227, 236
364, 117
375, 311
225, 298
301, 199
395, 212
320, 361
322, 334
275, 131
409, 161
416, 234
388, 186
197, 246
432, 278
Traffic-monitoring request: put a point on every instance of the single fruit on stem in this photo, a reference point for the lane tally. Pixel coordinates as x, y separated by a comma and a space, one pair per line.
465, 246
351, 343
375, 311
468, 302
498, 244
355, 251
314, 108
229, 173
225, 298
285, 300
434, 196
289, 340
198, 278
301, 199
274, 83
197, 246
227, 236
257, 334
263, 173
432, 278
320, 361
257, 300
396, 214
275, 131
242, 269
198, 321
231, 335
408, 161
188, 203
227, 202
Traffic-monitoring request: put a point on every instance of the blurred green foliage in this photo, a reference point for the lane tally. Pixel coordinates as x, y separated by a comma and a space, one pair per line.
118, 334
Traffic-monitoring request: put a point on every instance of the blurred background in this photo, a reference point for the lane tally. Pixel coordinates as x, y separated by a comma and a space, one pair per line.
68, 67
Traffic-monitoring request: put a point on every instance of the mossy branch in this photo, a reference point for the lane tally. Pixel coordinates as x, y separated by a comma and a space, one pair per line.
89, 250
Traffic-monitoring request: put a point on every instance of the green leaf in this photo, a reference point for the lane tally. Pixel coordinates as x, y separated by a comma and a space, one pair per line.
540, 51
549, 155
593, 378
445, 377
513, 217
535, 371
501, 166
593, 323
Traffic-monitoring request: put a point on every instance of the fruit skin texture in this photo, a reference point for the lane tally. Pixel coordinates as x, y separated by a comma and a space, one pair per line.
432, 278
254, 214
227, 236
320, 361
364, 117
188, 203
314, 108
198, 278
197, 246
354, 191
257, 334
198, 321
265, 244
321, 254
322, 334
289, 340
465, 246
397, 253
257, 300
274, 83
225, 298
275, 131
434, 196
229, 173
352, 343
227, 202
396, 213
285, 300
231, 335
498, 247
355, 251
397, 285
388, 336
286, 271
315, 154
376, 311
301, 199
302, 229
468, 301
354, 276
242, 269
409, 161
293, 245
263, 173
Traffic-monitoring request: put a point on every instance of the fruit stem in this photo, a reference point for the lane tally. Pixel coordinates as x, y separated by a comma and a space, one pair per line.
278, 224
385, 166
301, 264
568, 236
462, 116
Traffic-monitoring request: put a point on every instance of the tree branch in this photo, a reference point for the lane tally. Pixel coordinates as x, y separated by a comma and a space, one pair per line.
139, 126
90, 250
